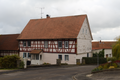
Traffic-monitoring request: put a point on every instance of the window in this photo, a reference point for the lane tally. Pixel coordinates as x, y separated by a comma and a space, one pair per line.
40, 57
46, 44
60, 57
83, 31
24, 43
87, 54
66, 44
24, 55
86, 31
59, 44
29, 55
29, 43
66, 57
37, 56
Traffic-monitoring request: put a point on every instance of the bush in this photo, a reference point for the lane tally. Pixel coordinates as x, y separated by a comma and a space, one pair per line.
64, 64
112, 59
93, 60
9, 61
46, 64
21, 65
115, 65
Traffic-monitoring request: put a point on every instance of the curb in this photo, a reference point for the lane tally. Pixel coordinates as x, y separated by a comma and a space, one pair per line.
74, 77
105, 70
11, 71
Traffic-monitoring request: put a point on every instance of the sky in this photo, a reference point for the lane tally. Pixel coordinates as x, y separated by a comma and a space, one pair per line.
103, 15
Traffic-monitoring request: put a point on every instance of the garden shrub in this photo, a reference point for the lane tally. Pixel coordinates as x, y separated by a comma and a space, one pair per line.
46, 63
9, 61
106, 66
112, 59
115, 65
21, 65
64, 63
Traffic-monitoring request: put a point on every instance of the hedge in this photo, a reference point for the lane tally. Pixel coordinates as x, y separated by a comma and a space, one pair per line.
93, 60
9, 61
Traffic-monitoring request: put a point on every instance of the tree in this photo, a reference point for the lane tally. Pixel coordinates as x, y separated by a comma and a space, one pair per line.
116, 49
100, 54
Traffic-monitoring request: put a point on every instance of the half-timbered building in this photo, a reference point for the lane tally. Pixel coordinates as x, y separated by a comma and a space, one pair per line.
9, 45
66, 38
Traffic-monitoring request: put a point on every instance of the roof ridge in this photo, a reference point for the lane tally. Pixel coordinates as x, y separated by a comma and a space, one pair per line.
60, 17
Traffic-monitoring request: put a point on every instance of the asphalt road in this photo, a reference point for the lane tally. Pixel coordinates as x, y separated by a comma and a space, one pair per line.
48, 73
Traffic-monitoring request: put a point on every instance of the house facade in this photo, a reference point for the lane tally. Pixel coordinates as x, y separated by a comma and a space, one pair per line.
66, 38
98, 46
9, 45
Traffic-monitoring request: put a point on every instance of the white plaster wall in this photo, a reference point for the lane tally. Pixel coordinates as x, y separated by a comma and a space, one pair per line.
98, 50
80, 56
21, 55
51, 58
84, 44
35, 62
107, 51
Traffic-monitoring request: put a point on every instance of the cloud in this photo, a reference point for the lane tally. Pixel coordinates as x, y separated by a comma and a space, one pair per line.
103, 15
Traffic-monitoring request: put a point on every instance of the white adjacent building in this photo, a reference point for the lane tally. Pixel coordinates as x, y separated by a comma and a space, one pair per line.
98, 46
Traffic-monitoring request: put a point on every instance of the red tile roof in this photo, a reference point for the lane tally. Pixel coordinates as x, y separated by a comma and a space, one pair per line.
9, 42
102, 45
53, 28
35, 51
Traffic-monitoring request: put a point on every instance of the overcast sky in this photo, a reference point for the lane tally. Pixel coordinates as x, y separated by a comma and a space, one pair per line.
103, 15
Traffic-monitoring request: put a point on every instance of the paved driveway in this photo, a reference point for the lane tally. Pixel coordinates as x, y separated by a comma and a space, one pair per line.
47, 73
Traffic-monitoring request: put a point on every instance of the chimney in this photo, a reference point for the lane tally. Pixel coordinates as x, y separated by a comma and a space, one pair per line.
100, 41
47, 16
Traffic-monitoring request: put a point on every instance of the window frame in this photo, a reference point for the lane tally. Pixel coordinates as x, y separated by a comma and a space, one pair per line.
66, 59
83, 31
28, 43
65, 44
58, 44
37, 57
24, 55
59, 57
44, 44
40, 57
24, 42
28, 55
87, 54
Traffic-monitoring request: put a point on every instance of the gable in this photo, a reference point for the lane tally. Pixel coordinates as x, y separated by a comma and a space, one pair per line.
53, 28
85, 31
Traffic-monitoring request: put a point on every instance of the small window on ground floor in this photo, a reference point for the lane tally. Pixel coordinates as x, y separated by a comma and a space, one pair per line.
66, 57
37, 56
24, 55
106, 55
87, 54
29, 55
60, 57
